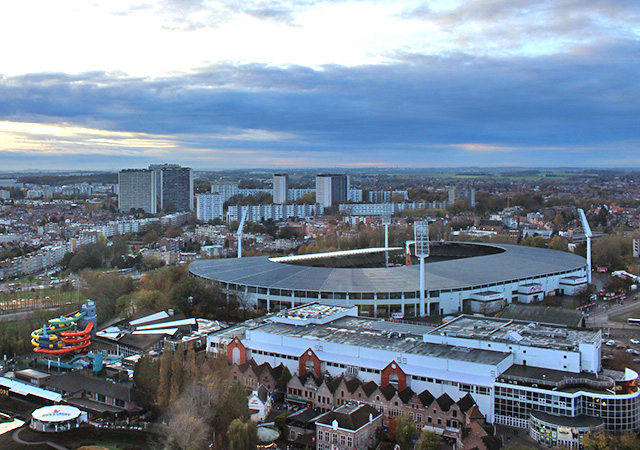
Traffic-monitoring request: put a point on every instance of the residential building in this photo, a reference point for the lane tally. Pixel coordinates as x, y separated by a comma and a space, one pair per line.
280, 188
259, 404
259, 213
468, 194
349, 427
227, 190
295, 194
174, 187
331, 189
137, 190
210, 206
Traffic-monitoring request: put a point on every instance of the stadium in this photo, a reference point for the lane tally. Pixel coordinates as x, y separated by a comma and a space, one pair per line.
460, 277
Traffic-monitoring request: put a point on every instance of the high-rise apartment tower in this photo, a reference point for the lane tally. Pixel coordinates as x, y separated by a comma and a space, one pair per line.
280, 186
331, 188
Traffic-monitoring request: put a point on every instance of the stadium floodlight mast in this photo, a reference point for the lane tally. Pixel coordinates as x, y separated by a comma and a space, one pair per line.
421, 235
386, 220
241, 230
588, 234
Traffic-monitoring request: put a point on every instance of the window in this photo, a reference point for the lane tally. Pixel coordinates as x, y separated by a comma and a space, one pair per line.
343, 439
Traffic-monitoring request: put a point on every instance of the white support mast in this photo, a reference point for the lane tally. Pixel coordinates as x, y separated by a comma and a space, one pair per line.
588, 234
241, 230
421, 234
386, 220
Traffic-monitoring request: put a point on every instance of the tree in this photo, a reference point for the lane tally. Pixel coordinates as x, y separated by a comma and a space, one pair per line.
187, 427
597, 441
150, 237
534, 241
191, 367
558, 243
406, 432
129, 304
283, 381
177, 372
164, 380
429, 441
628, 441
146, 375
583, 296
242, 435
559, 222
79, 261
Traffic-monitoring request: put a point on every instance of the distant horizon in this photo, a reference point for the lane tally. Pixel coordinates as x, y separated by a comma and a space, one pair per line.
469, 169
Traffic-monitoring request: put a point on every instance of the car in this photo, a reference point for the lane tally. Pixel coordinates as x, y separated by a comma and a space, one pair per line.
637, 360
620, 347
611, 343
633, 351
634, 341
606, 357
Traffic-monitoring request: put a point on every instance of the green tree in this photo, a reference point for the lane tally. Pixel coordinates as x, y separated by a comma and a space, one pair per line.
129, 304
79, 261
285, 376
406, 432
242, 435
534, 241
429, 441
146, 375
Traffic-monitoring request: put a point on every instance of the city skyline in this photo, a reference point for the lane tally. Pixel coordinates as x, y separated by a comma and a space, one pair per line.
319, 84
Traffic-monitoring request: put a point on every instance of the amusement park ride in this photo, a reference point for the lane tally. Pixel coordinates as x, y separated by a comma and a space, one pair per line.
66, 334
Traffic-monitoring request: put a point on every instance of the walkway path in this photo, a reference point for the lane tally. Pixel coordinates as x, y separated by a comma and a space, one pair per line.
16, 437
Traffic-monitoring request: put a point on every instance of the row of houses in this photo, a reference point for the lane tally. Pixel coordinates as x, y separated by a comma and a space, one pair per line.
441, 415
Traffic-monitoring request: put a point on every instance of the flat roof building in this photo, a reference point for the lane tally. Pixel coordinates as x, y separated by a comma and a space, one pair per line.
510, 368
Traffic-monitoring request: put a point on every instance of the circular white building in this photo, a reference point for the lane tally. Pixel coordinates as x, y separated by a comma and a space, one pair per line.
51, 419
460, 277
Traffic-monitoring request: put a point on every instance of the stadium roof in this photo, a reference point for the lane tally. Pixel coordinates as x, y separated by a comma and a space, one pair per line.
514, 263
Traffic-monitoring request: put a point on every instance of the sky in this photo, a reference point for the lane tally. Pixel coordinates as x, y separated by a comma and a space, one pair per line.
106, 85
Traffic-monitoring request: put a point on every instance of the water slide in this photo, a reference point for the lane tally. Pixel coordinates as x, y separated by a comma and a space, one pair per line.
56, 338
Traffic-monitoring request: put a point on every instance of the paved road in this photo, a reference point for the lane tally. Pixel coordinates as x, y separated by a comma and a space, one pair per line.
599, 318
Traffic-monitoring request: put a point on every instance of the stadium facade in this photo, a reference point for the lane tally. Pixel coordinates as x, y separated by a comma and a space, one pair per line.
465, 277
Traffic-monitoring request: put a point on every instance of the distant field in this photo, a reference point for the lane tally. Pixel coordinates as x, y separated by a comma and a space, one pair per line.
516, 175
39, 298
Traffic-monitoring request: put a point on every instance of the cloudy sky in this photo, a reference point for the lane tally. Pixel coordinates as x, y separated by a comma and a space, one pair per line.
319, 83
